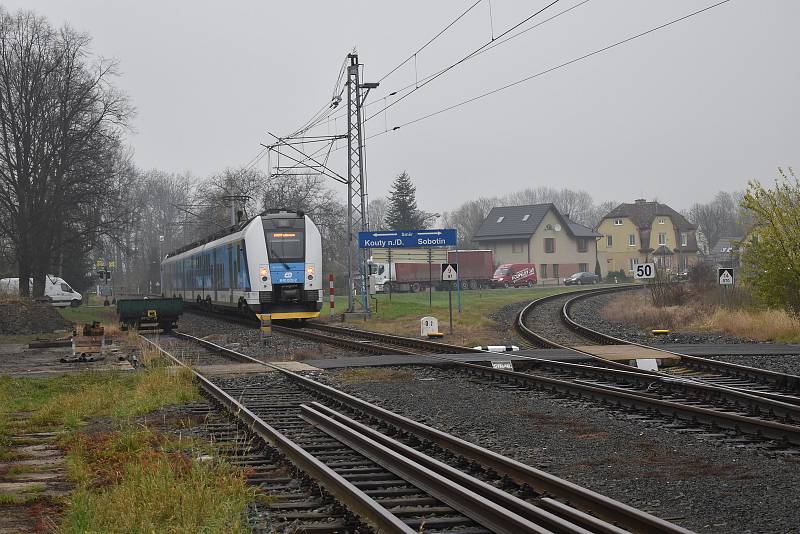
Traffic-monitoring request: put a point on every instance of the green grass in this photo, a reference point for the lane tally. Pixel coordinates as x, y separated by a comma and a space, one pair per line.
128, 477
87, 314
66, 402
401, 314
134, 480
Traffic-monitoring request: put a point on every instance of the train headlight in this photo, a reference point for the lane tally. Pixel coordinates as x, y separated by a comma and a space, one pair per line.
263, 271
310, 268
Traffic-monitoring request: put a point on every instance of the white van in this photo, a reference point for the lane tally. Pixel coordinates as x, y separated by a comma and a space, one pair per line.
55, 288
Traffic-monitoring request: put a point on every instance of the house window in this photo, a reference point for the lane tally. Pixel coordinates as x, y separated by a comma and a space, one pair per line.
555, 270
634, 263
526, 217
632, 240
662, 238
543, 270
500, 219
582, 246
684, 239
517, 246
609, 241
583, 267
617, 222
661, 220
549, 245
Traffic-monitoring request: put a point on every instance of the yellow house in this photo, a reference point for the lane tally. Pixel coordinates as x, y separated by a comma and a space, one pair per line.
645, 232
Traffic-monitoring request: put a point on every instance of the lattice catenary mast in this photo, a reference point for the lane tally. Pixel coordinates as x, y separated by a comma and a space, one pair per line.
356, 186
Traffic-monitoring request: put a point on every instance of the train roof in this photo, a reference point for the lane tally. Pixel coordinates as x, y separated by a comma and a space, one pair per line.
269, 214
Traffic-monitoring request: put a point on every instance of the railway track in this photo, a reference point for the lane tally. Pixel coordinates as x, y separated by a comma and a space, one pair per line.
732, 391
770, 384
393, 473
729, 414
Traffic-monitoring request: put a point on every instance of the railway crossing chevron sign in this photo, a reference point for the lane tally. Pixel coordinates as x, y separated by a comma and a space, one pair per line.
442, 237
725, 275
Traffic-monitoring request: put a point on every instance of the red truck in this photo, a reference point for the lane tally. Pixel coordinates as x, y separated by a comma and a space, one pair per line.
515, 275
475, 268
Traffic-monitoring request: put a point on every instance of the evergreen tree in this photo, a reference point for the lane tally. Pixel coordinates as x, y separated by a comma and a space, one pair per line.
402, 213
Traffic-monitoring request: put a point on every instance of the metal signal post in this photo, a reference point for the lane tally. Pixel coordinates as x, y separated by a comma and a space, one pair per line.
356, 186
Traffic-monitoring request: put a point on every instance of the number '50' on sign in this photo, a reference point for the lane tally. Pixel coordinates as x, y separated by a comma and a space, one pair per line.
644, 270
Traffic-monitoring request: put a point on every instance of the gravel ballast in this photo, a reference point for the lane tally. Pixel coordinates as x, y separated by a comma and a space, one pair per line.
697, 482
247, 340
780, 363
588, 312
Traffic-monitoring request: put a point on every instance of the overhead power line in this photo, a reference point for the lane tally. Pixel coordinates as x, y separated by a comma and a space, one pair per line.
497, 41
462, 60
551, 69
432, 39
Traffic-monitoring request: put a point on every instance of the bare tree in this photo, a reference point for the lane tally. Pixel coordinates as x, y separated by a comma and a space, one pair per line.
377, 213
722, 217
63, 167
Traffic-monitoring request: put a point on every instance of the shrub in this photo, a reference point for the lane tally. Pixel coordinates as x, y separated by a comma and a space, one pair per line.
664, 292
702, 277
620, 276
771, 259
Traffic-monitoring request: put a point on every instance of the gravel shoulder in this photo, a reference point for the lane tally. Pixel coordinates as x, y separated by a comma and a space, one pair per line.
696, 482
780, 363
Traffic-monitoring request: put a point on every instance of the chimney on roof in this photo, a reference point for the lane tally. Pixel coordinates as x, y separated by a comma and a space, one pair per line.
640, 200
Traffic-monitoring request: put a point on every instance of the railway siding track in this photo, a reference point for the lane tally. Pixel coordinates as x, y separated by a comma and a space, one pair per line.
712, 371
285, 426
750, 407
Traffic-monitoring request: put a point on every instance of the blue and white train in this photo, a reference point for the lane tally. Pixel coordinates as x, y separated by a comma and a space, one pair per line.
269, 264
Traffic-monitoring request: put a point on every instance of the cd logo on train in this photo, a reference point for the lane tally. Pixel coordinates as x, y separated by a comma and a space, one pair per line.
287, 274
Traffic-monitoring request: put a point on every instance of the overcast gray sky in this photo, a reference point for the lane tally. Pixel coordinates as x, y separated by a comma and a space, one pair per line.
703, 105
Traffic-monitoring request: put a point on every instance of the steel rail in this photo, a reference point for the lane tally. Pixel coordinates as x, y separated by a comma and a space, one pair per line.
779, 380
352, 497
473, 505
435, 347
499, 497
541, 481
779, 405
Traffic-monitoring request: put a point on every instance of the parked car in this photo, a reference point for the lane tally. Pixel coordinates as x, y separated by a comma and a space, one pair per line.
579, 279
514, 275
55, 289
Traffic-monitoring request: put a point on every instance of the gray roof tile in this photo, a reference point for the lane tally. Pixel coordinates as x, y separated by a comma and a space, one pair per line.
514, 224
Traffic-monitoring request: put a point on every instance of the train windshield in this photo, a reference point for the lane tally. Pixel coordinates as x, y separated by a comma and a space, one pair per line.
287, 246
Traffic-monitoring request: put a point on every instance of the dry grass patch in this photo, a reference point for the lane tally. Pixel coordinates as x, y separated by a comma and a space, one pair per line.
639, 310
697, 315
771, 325
381, 375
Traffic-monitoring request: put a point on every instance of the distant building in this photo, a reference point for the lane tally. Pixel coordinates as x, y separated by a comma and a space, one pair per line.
541, 235
726, 252
645, 232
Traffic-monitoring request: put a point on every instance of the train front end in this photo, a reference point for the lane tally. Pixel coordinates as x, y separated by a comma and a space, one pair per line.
294, 268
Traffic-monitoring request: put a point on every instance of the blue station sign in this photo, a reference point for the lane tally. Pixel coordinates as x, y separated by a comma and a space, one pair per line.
443, 237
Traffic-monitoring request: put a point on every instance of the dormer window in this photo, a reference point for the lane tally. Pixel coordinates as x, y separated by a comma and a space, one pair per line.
526, 217
617, 222
500, 219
